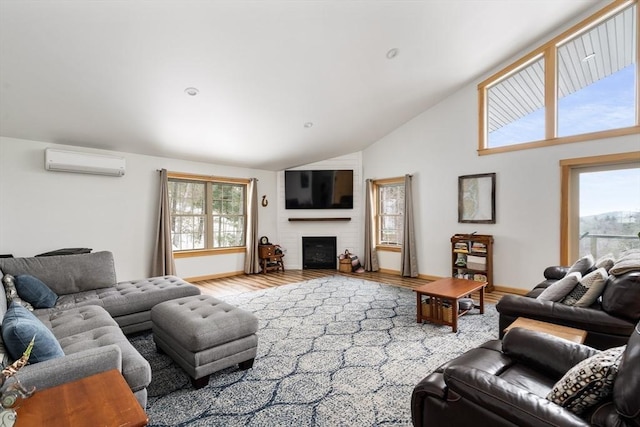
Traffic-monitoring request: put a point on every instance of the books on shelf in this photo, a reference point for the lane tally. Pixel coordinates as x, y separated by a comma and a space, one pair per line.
461, 247
479, 247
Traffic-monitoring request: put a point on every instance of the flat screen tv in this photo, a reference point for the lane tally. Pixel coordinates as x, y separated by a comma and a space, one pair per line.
318, 189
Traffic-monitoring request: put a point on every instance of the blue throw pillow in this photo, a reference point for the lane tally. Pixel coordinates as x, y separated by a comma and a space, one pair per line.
32, 290
19, 326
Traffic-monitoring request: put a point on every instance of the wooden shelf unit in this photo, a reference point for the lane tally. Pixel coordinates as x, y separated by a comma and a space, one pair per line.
472, 258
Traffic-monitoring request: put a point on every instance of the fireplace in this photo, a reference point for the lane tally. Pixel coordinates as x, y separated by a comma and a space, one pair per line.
319, 253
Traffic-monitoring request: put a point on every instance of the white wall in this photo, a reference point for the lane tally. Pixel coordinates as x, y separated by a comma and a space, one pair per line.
348, 233
43, 211
440, 145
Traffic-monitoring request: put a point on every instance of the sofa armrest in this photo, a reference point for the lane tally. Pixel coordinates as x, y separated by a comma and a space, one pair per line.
555, 272
588, 319
544, 352
72, 367
506, 400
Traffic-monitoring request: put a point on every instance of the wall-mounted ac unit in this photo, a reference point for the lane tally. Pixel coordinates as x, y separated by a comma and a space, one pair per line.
79, 162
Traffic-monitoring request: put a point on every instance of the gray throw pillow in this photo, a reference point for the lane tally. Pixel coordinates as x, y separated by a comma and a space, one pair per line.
587, 291
606, 261
583, 265
558, 290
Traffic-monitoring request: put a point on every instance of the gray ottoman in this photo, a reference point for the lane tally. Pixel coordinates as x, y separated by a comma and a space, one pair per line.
203, 335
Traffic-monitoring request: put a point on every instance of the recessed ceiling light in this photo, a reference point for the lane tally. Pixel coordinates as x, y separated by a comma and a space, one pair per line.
308, 124
191, 91
392, 53
589, 56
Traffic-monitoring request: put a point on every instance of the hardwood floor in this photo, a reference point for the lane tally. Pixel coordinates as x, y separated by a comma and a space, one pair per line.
252, 282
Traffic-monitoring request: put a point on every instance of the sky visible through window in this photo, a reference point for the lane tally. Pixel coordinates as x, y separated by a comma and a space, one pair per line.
607, 104
610, 191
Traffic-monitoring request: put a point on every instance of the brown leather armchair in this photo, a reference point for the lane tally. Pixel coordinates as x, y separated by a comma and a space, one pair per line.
505, 384
608, 322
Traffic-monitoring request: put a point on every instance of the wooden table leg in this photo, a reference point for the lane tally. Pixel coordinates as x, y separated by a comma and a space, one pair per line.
482, 300
418, 307
454, 314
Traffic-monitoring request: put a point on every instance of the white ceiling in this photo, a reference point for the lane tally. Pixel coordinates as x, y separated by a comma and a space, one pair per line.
111, 74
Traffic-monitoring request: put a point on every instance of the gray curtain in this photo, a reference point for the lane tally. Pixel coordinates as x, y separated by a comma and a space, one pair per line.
163, 264
251, 261
370, 253
408, 254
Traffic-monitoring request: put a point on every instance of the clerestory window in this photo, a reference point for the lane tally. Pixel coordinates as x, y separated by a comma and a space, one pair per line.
581, 85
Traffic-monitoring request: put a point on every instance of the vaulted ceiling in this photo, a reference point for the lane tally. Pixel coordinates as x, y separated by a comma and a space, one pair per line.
280, 83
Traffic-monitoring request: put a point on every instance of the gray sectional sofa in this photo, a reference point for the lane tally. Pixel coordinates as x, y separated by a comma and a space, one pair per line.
91, 316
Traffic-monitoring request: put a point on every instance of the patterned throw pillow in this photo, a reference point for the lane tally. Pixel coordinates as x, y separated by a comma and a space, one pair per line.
589, 382
583, 265
587, 291
8, 281
5, 359
558, 290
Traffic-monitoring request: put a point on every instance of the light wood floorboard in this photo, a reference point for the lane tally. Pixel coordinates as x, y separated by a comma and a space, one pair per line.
252, 282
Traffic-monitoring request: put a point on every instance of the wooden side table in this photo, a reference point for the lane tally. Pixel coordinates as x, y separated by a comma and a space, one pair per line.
571, 334
269, 259
103, 399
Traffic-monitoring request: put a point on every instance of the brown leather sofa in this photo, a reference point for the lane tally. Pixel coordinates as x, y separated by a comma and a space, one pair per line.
608, 322
505, 384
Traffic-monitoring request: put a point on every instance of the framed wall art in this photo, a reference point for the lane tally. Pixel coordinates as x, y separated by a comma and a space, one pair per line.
477, 198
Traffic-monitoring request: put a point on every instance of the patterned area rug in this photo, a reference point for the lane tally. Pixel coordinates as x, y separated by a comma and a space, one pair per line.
334, 351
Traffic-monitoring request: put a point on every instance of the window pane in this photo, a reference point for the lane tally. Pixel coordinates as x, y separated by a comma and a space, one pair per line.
228, 215
186, 197
515, 107
597, 77
187, 232
609, 211
390, 211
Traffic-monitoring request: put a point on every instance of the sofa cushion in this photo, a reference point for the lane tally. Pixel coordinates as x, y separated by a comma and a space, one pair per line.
589, 382
587, 291
621, 296
558, 290
88, 327
11, 293
19, 326
36, 293
583, 265
66, 274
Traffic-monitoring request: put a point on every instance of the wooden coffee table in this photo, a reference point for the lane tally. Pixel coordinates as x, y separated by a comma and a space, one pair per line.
446, 290
103, 399
571, 334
